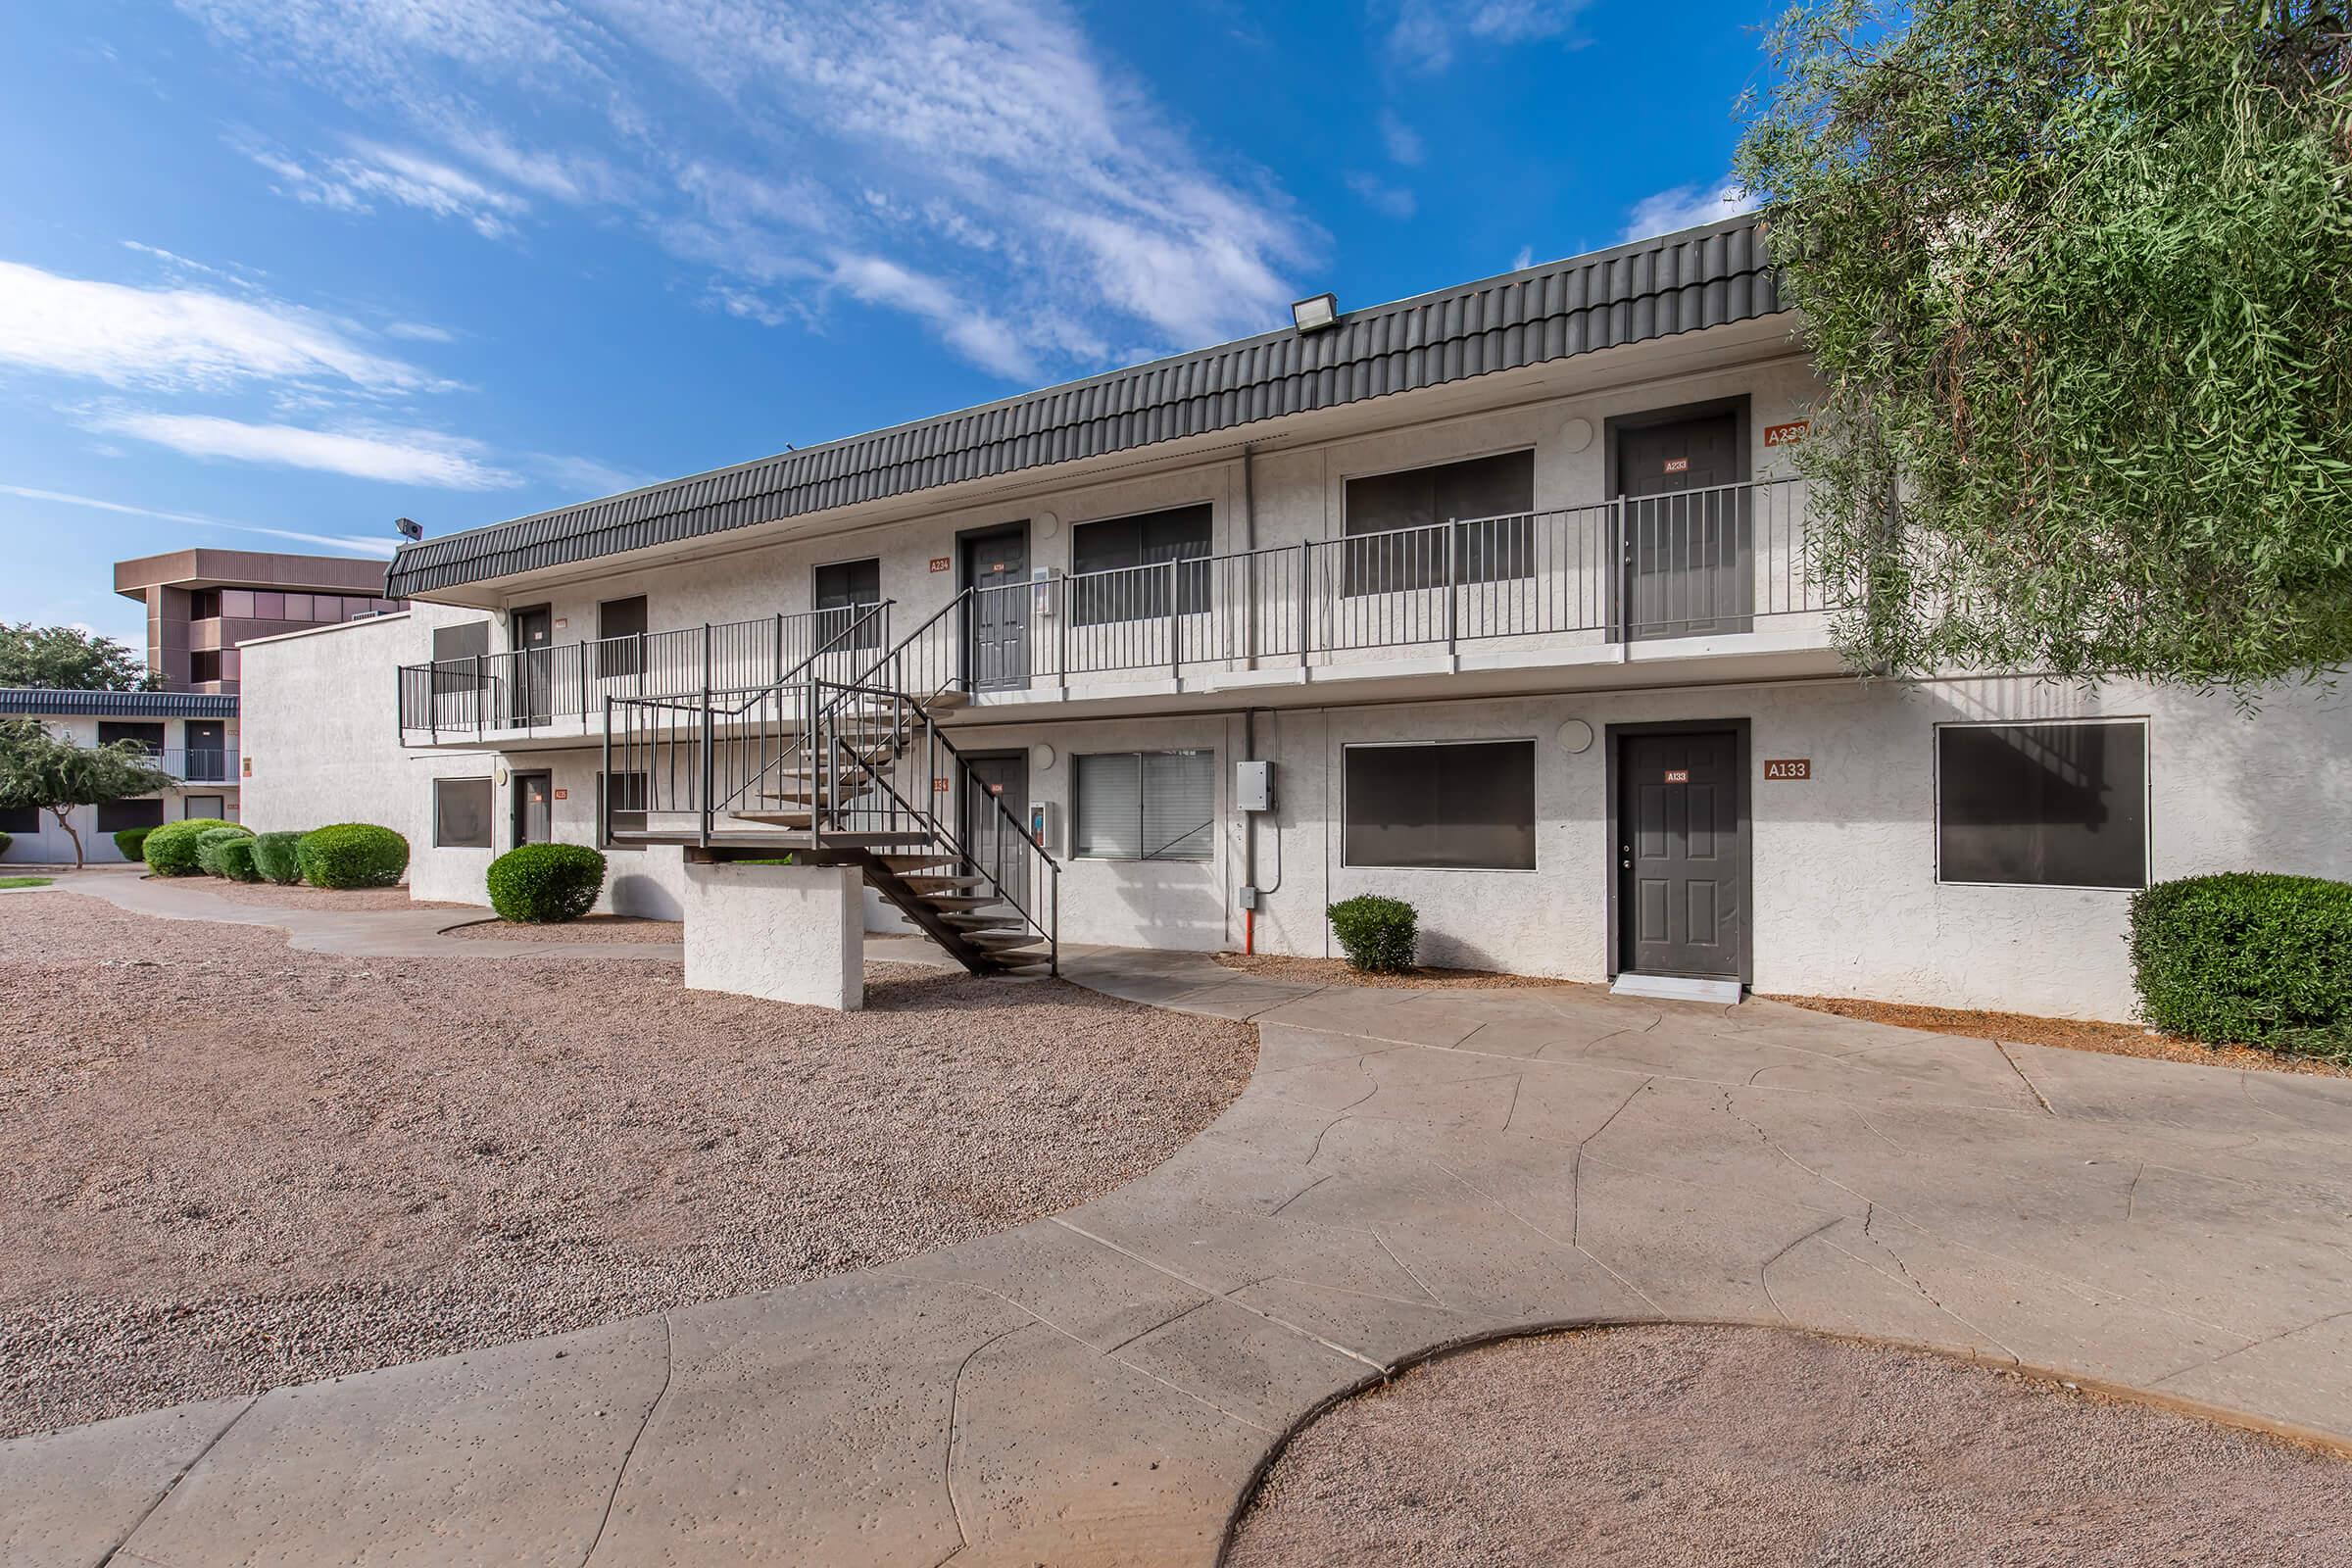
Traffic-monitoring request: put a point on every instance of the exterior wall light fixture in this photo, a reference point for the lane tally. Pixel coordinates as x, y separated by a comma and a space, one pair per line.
1315, 312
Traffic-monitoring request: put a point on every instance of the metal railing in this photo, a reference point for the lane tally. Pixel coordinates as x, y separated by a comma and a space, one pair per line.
528, 688
198, 765
1704, 561
841, 752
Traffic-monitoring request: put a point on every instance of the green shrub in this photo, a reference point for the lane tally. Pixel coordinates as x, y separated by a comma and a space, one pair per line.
209, 842
233, 859
171, 849
352, 855
5, 842
2247, 958
541, 883
1377, 934
131, 842
274, 858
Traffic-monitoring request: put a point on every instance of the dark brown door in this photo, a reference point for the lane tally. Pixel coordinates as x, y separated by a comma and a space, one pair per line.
1689, 556
994, 838
534, 634
534, 806
1682, 855
208, 751
995, 567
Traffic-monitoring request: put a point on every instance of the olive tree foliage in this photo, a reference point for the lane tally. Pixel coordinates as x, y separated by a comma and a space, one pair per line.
41, 768
2077, 274
69, 658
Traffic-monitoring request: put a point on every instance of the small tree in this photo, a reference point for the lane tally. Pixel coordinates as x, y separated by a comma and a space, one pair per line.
52, 772
2075, 272
66, 659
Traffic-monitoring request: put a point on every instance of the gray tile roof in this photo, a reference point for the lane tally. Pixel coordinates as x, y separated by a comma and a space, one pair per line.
39, 700
1652, 288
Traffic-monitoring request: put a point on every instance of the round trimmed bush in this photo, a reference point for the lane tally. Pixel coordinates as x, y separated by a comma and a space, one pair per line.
2247, 957
537, 884
209, 842
5, 842
274, 858
1377, 934
171, 849
131, 843
233, 859
352, 854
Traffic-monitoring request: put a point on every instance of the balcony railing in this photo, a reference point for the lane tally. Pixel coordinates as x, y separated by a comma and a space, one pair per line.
1695, 563
563, 685
197, 764
1713, 562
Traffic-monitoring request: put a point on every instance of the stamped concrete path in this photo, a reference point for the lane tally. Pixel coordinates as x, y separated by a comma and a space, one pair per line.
1405, 1170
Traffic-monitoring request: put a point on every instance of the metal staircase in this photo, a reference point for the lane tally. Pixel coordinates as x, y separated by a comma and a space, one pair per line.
842, 762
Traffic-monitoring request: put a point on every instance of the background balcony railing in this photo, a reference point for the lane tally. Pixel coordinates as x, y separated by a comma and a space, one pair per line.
565, 684
198, 765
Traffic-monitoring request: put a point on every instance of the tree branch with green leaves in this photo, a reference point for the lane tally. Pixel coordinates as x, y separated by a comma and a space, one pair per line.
2078, 275
55, 774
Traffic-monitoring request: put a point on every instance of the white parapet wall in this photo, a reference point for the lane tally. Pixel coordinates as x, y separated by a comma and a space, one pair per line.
788, 933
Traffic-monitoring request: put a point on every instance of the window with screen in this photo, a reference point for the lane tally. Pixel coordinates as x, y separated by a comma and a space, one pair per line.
620, 637
1462, 805
462, 814
116, 816
149, 737
1121, 567
843, 589
455, 650
1490, 502
1145, 805
2042, 804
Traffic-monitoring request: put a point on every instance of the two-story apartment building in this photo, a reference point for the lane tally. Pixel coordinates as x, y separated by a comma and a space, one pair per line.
192, 736
1506, 584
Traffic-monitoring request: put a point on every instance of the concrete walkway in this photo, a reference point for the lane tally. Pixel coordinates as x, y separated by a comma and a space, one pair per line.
1405, 1170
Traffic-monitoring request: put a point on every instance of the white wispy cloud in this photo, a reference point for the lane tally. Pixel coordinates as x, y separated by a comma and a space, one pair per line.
183, 338
419, 332
392, 454
350, 544
1686, 206
1426, 34
1034, 197
1391, 201
1400, 139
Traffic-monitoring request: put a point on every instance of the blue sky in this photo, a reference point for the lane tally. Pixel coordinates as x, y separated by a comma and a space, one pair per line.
273, 273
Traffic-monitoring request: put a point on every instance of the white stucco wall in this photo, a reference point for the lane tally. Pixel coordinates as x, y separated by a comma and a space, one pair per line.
787, 933
1845, 900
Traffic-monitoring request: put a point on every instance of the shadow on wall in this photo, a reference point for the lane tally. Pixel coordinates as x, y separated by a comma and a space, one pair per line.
638, 894
1165, 903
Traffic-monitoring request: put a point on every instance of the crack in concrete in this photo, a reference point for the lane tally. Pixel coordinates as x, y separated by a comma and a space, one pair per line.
1383, 1242
121, 1546
1186, 1280
669, 1370
1304, 1191
1556, 1241
1518, 1082
1870, 1217
1764, 1269
946, 1476
2039, 1098
1575, 1167
2132, 1193
2283, 1334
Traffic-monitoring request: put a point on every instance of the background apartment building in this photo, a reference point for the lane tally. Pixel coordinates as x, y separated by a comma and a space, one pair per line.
202, 602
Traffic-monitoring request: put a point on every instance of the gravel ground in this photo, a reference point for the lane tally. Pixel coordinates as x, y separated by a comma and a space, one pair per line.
269, 895
1338, 972
1691, 1446
226, 1165
590, 928
2073, 1034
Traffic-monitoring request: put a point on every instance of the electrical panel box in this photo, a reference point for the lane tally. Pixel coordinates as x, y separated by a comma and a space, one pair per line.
1254, 786
1249, 898
1041, 825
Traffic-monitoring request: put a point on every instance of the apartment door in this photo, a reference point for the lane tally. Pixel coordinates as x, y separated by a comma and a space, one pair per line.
1681, 823
534, 809
531, 633
994, 836
1688, 554
207, 742
995, 567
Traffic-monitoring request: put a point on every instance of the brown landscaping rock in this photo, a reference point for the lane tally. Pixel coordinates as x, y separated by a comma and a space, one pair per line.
226, 1165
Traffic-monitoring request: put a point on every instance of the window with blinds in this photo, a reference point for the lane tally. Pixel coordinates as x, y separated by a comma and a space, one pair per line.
2062, 805
1464, 805
1120, 567
1393, 521
1145, 805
